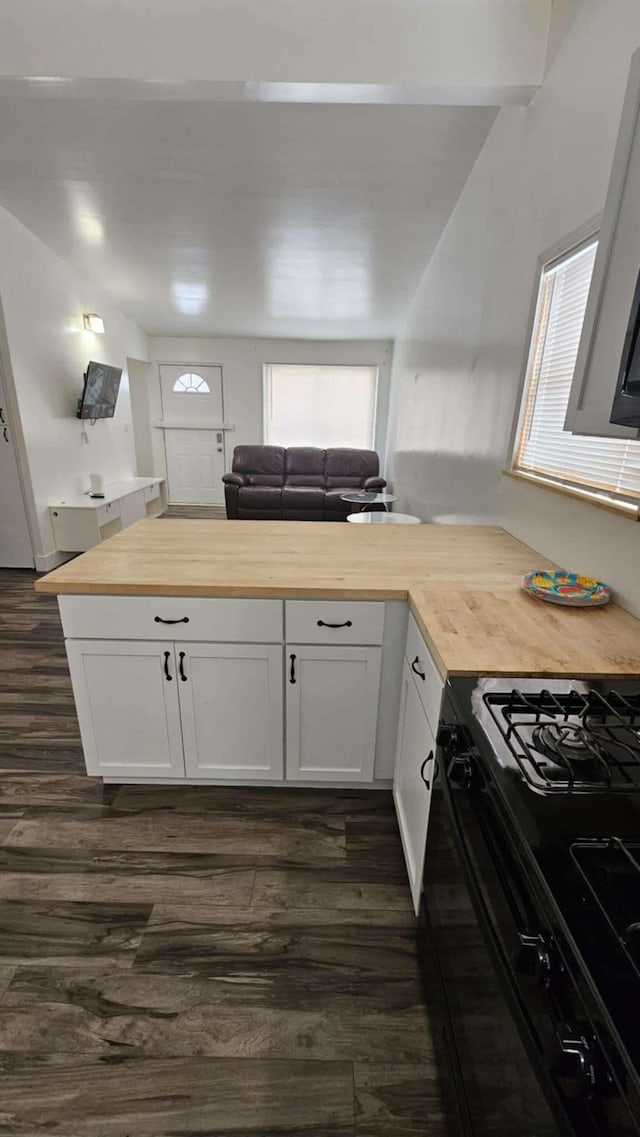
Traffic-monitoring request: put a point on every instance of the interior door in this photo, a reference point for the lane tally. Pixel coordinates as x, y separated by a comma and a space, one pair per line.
143, 738
332, 712
193, 414
231, 707
15, 540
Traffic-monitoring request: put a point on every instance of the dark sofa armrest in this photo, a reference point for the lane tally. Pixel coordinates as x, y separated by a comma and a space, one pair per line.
234, 479
374, 483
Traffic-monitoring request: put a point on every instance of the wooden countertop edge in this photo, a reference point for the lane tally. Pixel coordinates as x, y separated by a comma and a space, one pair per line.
231, 592
275, 592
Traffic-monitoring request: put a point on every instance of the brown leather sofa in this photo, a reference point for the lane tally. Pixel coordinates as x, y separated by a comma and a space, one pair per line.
302, 483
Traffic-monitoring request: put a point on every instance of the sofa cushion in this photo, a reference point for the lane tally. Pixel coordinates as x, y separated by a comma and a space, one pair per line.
261, 465
333, 500
260, 497
305, 466
303, 497
346, 467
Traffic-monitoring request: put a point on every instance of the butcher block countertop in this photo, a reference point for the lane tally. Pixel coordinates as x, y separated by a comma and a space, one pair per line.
462, 583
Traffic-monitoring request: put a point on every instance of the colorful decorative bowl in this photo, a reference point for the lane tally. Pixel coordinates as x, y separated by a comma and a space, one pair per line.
567, 588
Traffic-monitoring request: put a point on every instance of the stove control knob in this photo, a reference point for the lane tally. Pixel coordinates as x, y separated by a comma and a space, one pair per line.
450, 737
536, 958
577, 1069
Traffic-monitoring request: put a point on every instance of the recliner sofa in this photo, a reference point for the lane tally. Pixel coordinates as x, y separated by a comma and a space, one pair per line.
301, 483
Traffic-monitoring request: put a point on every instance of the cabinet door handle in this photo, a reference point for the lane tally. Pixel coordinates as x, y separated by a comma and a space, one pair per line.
416, 670
292, 673
423, 767
181, 666
4, 434
167, 674
161, 620
322, 624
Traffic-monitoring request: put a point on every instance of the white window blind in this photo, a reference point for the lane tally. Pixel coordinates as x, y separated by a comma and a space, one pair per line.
608, 467
319, 406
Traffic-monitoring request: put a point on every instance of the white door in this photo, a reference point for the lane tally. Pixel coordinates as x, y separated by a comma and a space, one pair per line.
413, 781
15, 540
332, 712
193, 413
127, 701
231, 706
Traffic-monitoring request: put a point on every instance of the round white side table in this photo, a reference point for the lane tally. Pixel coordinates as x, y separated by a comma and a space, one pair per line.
384, 519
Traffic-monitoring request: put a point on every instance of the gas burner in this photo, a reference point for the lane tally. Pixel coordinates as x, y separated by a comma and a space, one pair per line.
565, 742
571, 741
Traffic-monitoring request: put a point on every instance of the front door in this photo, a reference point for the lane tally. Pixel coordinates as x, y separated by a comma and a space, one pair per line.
193, 414
15, 540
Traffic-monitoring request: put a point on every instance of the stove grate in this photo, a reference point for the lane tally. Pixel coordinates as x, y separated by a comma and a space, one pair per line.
595, 744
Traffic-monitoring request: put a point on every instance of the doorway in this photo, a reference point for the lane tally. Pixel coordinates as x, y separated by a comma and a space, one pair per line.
16, 550
193, 418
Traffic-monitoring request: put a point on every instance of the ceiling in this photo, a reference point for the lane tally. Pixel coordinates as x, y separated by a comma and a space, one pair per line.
243, 219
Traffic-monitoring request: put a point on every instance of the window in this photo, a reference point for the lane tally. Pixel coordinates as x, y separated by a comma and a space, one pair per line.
604, 468
319, 406
190, 383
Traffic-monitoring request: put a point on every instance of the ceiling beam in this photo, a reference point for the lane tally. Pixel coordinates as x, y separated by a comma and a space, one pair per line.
385, 51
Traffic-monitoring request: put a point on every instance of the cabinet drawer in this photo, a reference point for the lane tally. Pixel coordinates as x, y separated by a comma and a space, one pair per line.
171, 617
339, 622
427, 678
151, 492
108, 512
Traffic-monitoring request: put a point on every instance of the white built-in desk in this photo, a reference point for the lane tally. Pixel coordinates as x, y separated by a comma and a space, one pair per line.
80, 522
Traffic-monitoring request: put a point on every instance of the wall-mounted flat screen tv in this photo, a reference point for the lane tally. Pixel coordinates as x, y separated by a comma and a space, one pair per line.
101, 386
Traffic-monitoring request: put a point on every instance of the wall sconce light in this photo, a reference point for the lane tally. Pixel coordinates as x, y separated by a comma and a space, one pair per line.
93, 323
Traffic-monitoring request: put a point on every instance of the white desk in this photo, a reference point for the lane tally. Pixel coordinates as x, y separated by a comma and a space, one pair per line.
80, 522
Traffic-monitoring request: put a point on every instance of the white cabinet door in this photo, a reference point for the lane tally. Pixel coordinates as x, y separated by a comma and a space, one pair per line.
613, 284
127, 701
332, 712
231, 708
413, 781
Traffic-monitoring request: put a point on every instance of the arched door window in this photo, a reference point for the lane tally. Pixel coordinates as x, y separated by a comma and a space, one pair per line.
191, 384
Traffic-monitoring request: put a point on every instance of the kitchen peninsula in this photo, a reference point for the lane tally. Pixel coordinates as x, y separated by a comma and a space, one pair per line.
281, 653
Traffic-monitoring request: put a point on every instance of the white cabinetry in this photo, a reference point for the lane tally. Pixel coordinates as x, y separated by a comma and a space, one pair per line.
196, 688
81, 522
613, 285
332, 711
231, 708
415, 770
128, 707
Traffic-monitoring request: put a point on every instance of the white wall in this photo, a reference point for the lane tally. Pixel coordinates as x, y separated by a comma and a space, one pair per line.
458, 363
43, 300
242, 361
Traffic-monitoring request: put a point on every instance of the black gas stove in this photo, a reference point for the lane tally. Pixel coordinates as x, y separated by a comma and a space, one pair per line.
541, 788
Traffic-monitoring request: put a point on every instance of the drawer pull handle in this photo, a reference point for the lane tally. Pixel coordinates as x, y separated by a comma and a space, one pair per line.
416, 670
322, 624
426, 762
292, 673
181, 667
160, 620
167, 674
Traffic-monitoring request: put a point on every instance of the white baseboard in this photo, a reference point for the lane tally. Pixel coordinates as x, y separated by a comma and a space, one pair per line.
51, 560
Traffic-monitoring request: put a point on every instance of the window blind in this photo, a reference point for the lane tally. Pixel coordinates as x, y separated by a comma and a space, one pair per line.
309, 405
605, 466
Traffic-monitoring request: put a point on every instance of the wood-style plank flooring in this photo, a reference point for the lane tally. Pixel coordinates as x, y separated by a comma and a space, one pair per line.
193, 961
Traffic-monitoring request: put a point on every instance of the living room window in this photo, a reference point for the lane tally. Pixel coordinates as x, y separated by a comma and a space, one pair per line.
605, 469
312, 405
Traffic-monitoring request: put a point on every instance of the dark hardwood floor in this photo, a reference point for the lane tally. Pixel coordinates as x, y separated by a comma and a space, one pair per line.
190, 960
